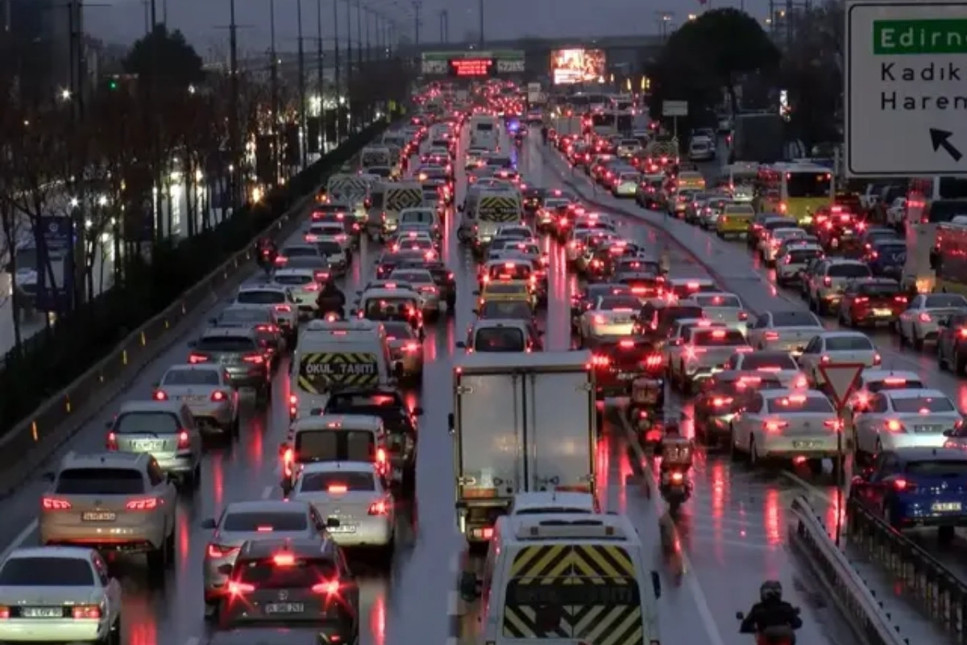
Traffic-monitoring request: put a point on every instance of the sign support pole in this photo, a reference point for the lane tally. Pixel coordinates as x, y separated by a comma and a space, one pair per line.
841, 380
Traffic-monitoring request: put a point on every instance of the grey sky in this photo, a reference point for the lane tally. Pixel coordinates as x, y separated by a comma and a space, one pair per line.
124, 20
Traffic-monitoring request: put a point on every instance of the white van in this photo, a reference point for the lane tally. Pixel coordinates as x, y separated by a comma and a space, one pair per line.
545, 573
342, 353
485, 131
332, 437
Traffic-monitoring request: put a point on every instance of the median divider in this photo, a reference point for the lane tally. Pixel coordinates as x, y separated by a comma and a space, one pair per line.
933, 587
37, 438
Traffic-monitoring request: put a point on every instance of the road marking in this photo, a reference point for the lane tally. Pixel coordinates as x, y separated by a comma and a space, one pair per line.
267, 492
701, 602
19, 540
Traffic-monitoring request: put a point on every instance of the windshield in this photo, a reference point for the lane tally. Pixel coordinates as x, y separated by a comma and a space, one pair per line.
767, 360
719, 337
922, 404
800, 256
794, 319
236, 344
100, 481
848, 271
47, 571
808, 184
724, 302
191, 377
328, 444
344, 481
879, 289
800, 403
147, 423
260, 297
265, 521
292, 279
845, 343
499, 339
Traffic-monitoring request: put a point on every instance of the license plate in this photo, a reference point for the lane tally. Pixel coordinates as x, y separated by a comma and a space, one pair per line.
342, 528
805, 444
42, 612
946, 506
98, 516
192, 398
882, 312
933, 429
285, 608
148, 446
626, 377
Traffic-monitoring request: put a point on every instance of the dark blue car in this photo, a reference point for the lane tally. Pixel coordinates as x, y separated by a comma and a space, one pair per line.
911, 487
886, 257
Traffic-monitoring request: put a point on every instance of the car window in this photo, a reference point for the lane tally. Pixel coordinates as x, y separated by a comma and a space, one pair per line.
922, 404
100, 481
847, 343
340, 481
260, 297
800, 403
147, 422
191, 377
254, 521
46, 571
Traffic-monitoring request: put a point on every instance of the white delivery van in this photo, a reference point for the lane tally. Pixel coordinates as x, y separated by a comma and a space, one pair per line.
485, 131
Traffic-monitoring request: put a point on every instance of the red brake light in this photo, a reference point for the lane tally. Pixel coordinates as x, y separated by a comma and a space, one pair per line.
255, 359
720, 401
86, 612
143, 504
160, 395
904, 485
599, 319
55, 504
894, 426
183, 442
219, 551
833, 424
925, 317
718, 333
238, 588
283, 559
626, 344
380, 456
600, 361
194, 359
267, 328
283, 309
411, 347
218, 395
379, 508
337, 489
772, 335
112, 441
828, 281
775, 426
330, 588
654, 361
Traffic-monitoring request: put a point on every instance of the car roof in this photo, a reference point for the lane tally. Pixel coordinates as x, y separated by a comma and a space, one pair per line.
104, 460
195, 367
786, 392
223, 332
876, 374
262, 286
150, 405
499, 322
844, 334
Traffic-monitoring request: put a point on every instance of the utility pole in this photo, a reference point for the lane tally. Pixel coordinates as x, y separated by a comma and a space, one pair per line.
444, 26
335, 27
349, 49
274, 92
321, 79
480, 7
233, 125
417, 9
369, 47
303, 135
154, 14
359, 35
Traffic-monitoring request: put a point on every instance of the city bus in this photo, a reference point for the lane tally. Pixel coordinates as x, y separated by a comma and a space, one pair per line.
794, 189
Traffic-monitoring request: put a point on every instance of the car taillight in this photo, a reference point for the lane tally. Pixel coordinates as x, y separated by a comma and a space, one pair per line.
925, 317
160, 395
827, 281
86, 612
894, 426
381, 456
312, 286
599, 319
269, 329
194, 359
255, 359
218, 395
824, 358
236, 588
320, 276
743, 315
678, 477
55, 504
143, 504
112, 441
772, 335
877, 359
411, 347
600, 361
861, 300
904, 485
833, 424
283, 309
380, 507
654, 361
775, 426
183, 441
219, 551
721, 401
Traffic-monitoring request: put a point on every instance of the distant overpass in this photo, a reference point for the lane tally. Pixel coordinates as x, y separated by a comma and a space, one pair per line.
609, 43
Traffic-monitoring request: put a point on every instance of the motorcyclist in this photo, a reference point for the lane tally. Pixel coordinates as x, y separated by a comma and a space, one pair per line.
331, 300
266, 252
771, 612
676, 451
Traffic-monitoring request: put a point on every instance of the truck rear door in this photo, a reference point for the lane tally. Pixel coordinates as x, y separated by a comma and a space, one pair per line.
559, 430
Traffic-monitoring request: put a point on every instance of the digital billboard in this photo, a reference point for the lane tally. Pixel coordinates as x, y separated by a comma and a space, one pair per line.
464, 67
472, 64
577, 65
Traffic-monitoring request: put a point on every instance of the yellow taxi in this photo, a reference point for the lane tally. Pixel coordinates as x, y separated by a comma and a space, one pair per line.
506, 291
690, 180
734, 220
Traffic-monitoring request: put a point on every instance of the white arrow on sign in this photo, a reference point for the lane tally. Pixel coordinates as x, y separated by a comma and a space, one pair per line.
842, 379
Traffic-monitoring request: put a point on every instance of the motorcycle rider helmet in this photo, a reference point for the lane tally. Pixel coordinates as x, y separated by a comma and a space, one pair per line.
770, 590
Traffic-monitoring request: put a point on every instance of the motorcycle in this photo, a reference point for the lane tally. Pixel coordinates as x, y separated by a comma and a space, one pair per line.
675, 489
778, 635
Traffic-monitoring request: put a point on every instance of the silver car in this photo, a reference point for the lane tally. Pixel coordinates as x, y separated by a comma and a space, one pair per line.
358, 511
422, 282
626, 185
118, 501
723, 307
334, 252
405, 347
207, 391
303, 286
164, 429
241, 522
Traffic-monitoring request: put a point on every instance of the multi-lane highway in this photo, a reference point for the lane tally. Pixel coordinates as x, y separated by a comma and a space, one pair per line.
732, 531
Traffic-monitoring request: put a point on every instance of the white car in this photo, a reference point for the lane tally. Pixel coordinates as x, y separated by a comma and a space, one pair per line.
519, 231
705, 352
58, 593
776, 238
791, 260
420, 218
827, 283
333, 249
701, 149
626, 184
896, 214
675, 344
421, 280
723, 307
873, 381
302, 285
609, 317
784, 330
897, 419
206, 391
273, 297
411, 240
352, 500
523, 250
918, 324
837, 347
778, 364
787, 425
334, 230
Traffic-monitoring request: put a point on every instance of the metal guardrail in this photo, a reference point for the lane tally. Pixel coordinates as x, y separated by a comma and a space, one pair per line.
35, 439
935, 589
865, 614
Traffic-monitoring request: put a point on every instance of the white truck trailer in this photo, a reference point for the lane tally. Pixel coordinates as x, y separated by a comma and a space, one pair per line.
521, 422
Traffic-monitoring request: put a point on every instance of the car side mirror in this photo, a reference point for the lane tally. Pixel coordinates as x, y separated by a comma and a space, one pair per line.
655, 583
225, 569
469, 586
461, 345
209, 524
